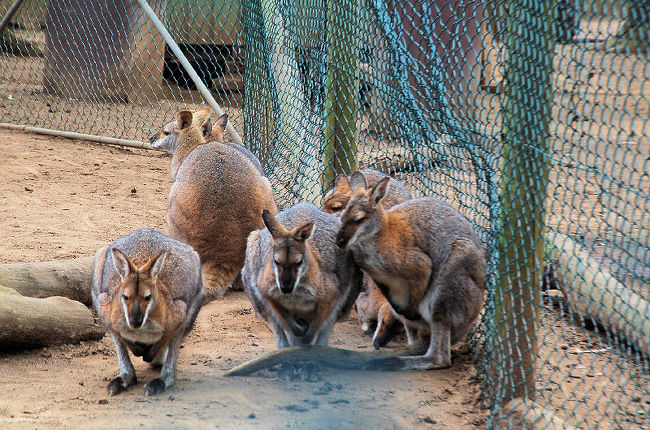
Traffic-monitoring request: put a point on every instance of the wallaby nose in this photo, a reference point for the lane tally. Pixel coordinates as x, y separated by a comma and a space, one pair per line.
136, 318
286, 288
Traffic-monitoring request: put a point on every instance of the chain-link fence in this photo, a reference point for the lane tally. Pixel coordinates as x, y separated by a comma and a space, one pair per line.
529, 116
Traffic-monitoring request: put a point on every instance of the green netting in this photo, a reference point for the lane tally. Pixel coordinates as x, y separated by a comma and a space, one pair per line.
530, 117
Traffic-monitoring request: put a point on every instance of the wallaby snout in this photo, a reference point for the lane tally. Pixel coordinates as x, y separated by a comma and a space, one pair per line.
136, 317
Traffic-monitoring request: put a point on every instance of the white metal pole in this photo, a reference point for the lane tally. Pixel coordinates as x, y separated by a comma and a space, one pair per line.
205, 93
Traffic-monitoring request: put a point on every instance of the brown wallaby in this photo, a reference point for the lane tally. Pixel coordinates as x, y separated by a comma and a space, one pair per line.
147, 291
298, 280
216, 200
167, 137
376, 315
426, 259
337, 198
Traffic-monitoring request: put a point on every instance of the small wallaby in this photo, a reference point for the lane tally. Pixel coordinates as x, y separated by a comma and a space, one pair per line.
167, 138
216, 200
147, 290
337, 198
426, 259
376, 314
298, 280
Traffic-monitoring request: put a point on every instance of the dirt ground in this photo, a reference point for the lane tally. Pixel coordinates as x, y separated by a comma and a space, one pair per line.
62, 199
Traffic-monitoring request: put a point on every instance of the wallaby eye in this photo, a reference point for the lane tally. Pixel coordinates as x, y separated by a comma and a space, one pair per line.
125, 297
337, 207
147, 297
165, 133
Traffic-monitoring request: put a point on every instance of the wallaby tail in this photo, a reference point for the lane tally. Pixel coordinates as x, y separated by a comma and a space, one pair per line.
328, 356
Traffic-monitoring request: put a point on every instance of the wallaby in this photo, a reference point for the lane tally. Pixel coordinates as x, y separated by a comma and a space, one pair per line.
216, 200
167, 138
337, 198
373, 302
376, 314
426, 259
147, 290
298, 280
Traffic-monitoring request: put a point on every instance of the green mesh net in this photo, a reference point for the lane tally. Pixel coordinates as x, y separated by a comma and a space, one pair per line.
530, 117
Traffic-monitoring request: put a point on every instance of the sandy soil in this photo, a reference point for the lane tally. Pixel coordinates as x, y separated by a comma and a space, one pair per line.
63, 199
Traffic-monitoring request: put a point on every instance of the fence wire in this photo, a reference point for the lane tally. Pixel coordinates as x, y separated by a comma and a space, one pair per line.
541, 104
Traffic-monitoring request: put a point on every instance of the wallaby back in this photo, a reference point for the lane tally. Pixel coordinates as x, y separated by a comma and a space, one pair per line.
300, 309
337, 198
216, 200
147, 290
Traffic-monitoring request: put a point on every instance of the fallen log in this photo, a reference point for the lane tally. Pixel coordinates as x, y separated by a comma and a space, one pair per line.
28, 322
593, 292
66, 278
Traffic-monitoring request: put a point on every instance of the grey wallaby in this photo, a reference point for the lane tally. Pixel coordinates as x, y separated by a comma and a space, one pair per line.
298, 280
216, 200
337, 198
426, 259
147, 290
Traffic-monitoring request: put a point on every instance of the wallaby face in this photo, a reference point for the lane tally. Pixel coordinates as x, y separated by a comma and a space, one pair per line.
137, 293
337, 198
290, 258
360, 215
167, 138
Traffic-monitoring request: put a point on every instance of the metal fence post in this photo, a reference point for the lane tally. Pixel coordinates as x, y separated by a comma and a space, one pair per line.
525, 131
342, 89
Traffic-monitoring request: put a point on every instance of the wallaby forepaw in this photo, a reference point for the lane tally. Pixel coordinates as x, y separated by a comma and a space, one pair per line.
117, 385
154, 387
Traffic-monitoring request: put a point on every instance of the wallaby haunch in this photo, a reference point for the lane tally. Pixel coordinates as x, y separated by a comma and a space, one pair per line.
337, 198
216, 200
147, 291
426, 259
298, 280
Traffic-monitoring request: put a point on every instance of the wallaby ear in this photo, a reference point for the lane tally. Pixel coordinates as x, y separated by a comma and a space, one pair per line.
358, 180
342, 183
303, 232
222, 122
184, 119
275, 228
206, 127
378, 190
158, 264
121, 262
154, 264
